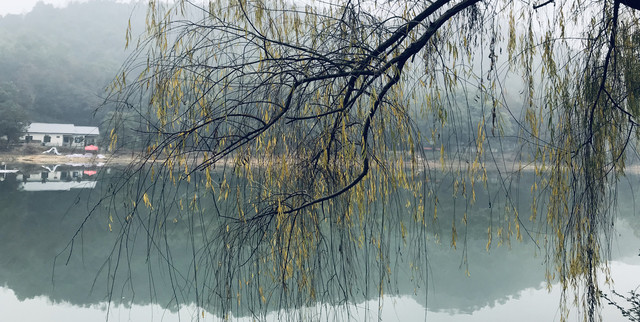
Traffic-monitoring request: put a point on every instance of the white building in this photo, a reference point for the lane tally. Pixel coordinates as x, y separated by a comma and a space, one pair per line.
57, 134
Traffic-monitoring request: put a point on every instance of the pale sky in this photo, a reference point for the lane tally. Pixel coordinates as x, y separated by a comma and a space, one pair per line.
24, 6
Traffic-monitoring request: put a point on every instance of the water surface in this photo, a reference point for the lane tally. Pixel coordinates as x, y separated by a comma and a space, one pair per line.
45, 277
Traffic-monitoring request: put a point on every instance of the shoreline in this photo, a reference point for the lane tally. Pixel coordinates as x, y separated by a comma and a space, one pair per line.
39, 159
124, 160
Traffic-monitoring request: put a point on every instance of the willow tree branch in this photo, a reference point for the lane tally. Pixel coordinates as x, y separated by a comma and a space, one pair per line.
633, 4
537, 6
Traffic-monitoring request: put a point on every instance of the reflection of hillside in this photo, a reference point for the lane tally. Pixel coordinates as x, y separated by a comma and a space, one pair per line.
630, 208
495, 273
37, 227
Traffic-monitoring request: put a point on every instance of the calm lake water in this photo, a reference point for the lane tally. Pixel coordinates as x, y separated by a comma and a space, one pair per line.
42, 208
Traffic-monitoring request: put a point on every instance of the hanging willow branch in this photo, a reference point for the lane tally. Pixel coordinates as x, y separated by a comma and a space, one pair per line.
294, 126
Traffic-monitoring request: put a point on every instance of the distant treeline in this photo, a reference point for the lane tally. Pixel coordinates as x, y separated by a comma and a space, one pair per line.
56, 62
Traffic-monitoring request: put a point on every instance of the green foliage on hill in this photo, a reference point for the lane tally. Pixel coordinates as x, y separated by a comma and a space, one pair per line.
55, 62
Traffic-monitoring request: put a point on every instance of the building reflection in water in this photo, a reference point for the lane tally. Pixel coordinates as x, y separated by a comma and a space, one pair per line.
57, 178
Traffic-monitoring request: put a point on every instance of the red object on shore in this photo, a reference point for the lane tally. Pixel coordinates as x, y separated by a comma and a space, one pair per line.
91, 148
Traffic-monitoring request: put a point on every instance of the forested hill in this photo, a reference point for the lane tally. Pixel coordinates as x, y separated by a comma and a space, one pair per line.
56, 62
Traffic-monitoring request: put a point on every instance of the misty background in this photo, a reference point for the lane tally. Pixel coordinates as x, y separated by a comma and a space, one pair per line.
56, 62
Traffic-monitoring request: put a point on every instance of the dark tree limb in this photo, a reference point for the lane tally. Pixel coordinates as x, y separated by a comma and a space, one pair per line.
633, 4
538, 6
